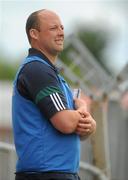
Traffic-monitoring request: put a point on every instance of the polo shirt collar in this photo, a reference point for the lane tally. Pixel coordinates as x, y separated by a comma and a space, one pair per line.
33, 51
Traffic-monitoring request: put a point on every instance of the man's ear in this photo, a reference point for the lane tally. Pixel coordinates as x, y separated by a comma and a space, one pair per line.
33, 33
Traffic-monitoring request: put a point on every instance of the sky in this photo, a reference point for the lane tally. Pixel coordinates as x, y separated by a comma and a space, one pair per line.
110, 14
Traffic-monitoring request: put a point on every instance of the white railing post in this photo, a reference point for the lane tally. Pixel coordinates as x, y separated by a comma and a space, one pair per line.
8, 165
93, 170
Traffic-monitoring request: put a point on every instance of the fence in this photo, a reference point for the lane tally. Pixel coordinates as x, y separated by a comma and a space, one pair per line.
5, 103
7, 161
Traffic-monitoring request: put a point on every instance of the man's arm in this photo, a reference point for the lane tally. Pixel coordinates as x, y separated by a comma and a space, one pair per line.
79, 121
66, 121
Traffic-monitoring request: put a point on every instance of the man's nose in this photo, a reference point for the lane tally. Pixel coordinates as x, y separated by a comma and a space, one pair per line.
61, 31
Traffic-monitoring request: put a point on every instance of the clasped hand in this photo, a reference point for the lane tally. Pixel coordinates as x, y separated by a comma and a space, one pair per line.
86, 125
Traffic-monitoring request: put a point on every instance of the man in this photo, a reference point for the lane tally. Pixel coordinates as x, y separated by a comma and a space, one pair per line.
47, 128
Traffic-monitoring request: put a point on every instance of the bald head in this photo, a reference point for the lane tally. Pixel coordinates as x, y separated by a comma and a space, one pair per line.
33, 21
46, 13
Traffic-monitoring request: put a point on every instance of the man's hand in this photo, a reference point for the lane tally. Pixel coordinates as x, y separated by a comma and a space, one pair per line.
80, 103
86, 125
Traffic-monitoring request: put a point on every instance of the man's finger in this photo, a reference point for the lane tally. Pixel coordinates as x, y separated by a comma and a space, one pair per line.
84, 126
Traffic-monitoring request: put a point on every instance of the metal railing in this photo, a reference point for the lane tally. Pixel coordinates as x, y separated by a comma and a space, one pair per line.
93, 170
8, 160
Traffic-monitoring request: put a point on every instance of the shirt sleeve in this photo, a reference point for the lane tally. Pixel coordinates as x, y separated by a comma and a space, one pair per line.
38, 82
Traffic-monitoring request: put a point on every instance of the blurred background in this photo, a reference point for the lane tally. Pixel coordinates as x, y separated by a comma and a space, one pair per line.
95, 59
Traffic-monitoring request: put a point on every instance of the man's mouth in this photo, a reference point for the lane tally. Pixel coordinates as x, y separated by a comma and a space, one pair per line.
59, 41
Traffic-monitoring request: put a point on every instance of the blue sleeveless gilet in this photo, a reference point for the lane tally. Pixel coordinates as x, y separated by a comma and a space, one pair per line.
39, 146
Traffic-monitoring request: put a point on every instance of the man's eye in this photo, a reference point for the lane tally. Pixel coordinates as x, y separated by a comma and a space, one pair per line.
62, 27
53, 28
